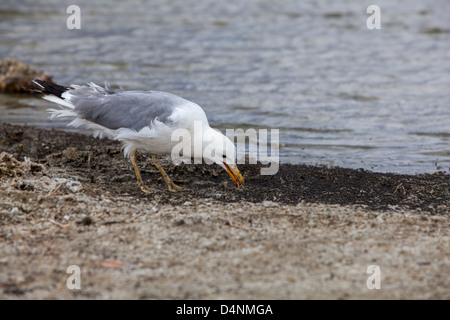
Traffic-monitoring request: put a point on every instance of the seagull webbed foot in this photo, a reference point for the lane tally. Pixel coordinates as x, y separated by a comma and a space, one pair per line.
172, 186
144, 188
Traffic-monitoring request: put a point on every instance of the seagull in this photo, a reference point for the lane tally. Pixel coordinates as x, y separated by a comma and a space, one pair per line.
142, 121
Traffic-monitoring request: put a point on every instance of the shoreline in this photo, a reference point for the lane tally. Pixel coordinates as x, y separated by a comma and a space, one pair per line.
104, 168
307, 233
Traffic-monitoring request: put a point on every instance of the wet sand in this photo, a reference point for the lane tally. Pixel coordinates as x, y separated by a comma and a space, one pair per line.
307, 232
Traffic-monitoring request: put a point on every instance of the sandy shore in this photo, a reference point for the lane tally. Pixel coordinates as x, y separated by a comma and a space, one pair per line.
308, 232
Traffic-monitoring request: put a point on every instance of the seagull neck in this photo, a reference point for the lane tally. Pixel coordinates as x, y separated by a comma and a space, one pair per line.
209, 134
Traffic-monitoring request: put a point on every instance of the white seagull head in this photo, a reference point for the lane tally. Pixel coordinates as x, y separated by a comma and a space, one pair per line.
219, 149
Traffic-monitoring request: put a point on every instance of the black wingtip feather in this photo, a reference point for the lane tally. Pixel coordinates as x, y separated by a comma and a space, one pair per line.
51, 88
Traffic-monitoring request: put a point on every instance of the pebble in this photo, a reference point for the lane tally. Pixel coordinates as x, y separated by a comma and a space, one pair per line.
15, 210
74, 186
269, 204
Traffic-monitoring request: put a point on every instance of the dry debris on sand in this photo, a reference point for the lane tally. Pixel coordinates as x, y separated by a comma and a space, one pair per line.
307, 232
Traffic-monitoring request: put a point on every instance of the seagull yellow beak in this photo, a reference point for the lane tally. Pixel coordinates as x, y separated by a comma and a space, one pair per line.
234, 174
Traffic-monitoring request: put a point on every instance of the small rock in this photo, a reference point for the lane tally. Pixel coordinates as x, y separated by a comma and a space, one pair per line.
86, 221
269, 204
180, 222
102, 230
74, 186
15, 210
187, 203
312, 224
207, 243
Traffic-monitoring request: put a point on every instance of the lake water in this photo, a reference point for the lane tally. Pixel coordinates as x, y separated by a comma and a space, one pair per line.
339, 93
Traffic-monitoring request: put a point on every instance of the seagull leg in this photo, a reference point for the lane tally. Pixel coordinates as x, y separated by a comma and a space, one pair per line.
172, 186
140, 183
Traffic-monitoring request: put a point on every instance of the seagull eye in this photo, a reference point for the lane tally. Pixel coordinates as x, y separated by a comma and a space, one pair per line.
224, 156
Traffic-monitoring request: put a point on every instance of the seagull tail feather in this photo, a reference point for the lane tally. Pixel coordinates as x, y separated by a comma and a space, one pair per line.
46, 87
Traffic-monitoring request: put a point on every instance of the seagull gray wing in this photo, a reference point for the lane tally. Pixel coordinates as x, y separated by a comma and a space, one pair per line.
116, 109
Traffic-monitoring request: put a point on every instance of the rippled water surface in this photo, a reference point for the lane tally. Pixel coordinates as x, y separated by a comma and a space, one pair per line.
339, 93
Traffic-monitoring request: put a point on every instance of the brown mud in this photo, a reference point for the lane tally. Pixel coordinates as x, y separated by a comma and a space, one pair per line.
104, 168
